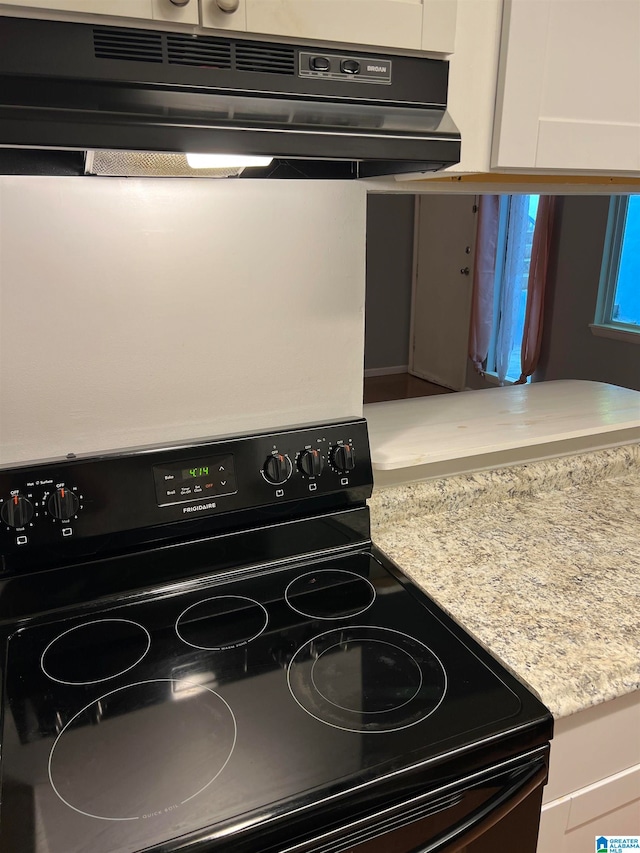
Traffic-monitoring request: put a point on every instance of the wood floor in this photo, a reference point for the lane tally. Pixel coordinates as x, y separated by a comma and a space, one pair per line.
399, 386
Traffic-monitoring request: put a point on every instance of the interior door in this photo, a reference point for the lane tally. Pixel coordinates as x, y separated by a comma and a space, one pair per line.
443, 275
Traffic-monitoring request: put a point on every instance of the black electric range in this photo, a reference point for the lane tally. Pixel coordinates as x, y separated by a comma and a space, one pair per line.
205, 651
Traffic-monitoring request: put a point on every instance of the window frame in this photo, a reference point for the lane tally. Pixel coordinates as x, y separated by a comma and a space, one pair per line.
603, 323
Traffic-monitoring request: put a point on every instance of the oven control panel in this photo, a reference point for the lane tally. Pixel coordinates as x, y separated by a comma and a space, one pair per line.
215, 484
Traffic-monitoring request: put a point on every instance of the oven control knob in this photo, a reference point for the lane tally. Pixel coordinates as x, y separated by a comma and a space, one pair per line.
63, 503
310, 463
277, 468
17, 511
343, 457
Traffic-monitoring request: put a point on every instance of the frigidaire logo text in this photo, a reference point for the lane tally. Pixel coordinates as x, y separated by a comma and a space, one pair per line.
198, 508
376, 67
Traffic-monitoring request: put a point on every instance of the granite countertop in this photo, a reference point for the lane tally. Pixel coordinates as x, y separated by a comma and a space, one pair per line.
540, 562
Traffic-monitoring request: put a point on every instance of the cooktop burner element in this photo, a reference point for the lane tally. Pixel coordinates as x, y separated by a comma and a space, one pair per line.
330, 594
110, 647
367, 679
222, 622
143, 750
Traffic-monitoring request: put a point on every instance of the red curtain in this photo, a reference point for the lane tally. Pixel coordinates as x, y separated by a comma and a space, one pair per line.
484, 270
536, 287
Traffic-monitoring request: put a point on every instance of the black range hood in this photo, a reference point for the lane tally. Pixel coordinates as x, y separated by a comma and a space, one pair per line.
320, 112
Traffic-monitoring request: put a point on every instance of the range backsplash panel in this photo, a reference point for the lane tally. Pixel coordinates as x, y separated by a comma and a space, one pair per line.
136, 311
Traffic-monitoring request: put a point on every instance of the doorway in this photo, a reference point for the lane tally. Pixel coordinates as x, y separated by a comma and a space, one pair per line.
419, 274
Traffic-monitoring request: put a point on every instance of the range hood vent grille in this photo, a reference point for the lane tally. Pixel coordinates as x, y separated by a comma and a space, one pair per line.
265, 58
136, 45
201, 51
195, 51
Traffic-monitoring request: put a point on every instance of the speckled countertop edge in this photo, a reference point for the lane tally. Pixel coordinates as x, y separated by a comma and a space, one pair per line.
539, 562
394, 503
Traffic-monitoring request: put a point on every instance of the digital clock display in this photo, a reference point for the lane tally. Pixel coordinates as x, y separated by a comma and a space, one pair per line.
195, 472
195, 479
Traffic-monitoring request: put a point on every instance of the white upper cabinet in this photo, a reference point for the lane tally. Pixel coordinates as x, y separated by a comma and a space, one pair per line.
427, 25
413, 24
472, 82
569, 86
224, 14
165, 10
155, 10
124, 8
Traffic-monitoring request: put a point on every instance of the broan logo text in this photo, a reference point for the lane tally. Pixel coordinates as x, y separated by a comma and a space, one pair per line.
198, 508
377, 68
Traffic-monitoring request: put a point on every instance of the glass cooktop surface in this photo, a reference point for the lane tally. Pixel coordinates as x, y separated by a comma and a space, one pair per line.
213, 707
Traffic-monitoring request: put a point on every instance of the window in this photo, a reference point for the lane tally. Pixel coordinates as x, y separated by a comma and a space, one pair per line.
618, 308
513, 257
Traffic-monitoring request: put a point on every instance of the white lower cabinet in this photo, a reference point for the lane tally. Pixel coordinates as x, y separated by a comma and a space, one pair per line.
594, 779
611, 807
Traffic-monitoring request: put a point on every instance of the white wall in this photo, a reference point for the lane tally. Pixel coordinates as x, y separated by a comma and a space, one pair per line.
148, 311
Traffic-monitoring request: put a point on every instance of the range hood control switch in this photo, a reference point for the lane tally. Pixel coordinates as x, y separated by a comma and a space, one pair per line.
350, 66
319, 63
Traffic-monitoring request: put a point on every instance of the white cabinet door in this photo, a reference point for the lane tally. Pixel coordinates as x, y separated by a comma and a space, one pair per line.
158, 10
594, 777
165, 10
393, 23
416, 24
224, 14
610, 807
119, 8
569, 86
